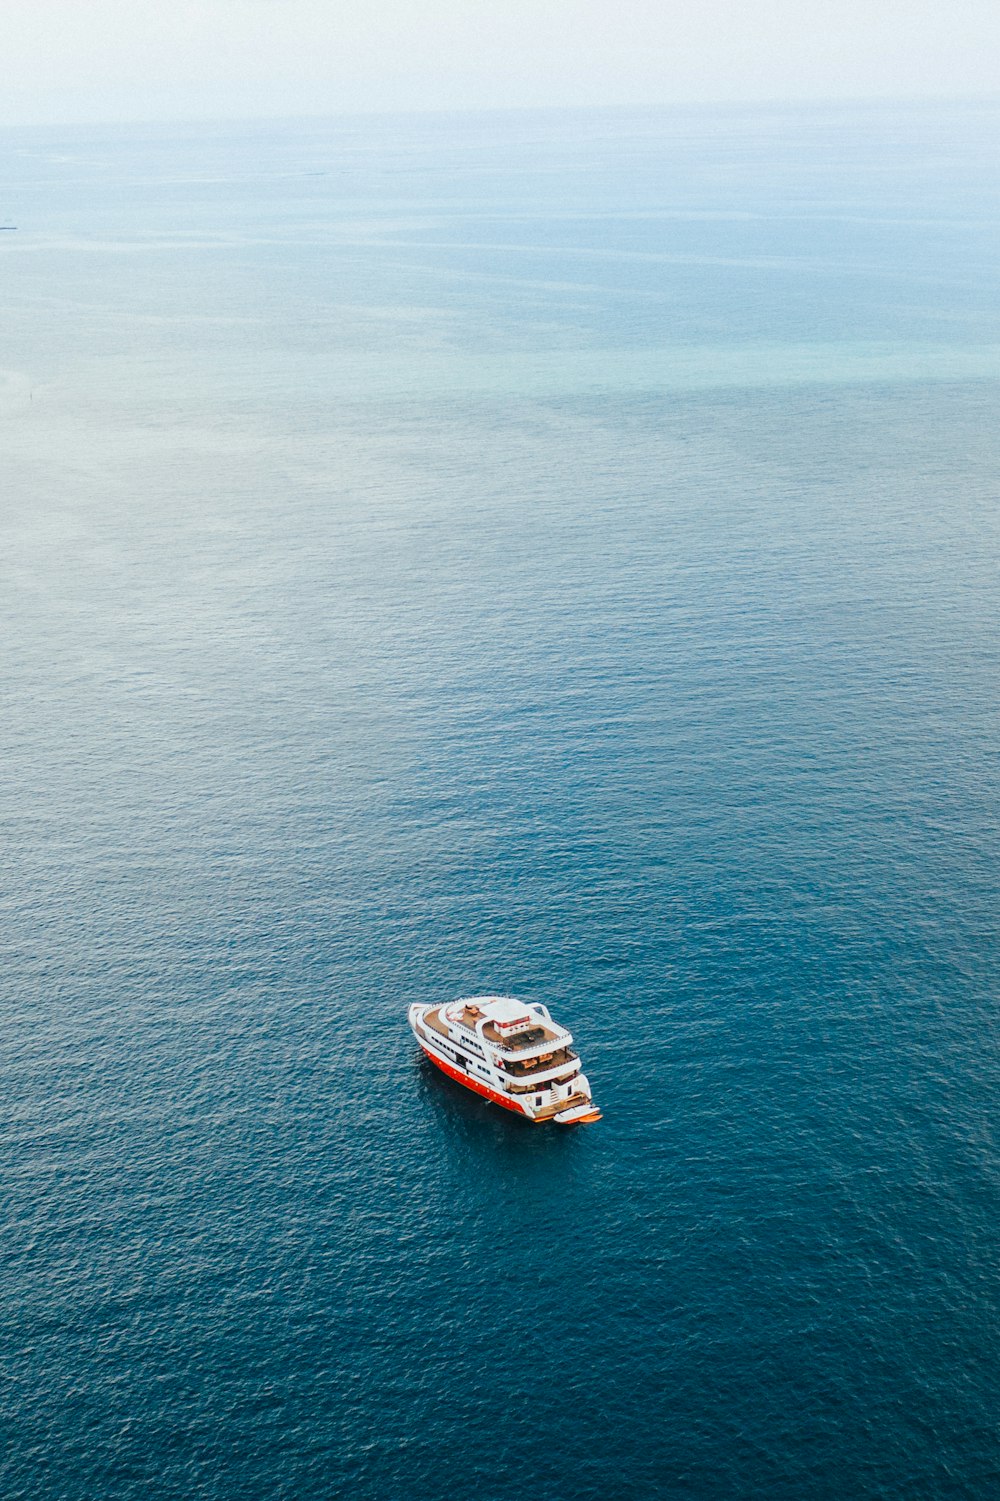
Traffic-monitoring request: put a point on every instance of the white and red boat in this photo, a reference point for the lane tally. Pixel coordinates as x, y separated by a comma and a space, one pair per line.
511, 1052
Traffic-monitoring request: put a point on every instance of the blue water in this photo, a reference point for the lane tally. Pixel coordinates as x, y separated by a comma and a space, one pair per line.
555, 553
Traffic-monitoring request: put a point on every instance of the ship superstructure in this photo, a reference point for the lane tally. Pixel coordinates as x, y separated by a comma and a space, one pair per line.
509, 1051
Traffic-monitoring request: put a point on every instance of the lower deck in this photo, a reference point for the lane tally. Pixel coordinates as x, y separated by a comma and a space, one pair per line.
547, 1112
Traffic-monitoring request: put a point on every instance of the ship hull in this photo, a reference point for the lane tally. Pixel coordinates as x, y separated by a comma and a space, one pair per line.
473, 1084
453, 1051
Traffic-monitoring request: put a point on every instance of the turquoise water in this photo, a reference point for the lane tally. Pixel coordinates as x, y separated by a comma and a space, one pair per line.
554, 553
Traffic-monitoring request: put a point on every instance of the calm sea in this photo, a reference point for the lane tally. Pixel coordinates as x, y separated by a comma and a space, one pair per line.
551, 553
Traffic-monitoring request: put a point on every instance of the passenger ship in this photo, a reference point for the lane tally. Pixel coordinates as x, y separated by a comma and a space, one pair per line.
510, 1052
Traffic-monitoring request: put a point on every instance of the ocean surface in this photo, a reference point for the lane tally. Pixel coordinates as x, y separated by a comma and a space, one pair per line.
555, 553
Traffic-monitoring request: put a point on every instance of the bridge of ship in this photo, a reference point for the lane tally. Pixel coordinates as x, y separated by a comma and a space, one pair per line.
514, 1068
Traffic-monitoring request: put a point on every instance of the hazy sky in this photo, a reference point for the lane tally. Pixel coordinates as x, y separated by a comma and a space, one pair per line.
114, 59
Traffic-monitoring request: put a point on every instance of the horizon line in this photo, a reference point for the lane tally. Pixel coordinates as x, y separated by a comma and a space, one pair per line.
784, 102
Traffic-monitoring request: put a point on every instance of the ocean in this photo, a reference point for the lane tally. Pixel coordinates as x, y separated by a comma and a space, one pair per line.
549, 553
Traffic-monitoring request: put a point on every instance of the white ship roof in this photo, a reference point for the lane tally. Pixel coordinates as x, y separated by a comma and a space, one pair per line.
499, 1008
507, 1023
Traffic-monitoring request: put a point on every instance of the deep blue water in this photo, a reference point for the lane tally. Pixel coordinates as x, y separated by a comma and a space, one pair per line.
551, 553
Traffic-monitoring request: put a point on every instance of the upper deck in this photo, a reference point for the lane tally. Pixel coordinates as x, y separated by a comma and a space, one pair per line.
511, 1029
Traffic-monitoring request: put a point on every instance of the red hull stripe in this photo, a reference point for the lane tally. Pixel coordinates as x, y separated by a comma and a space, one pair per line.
474, 1084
